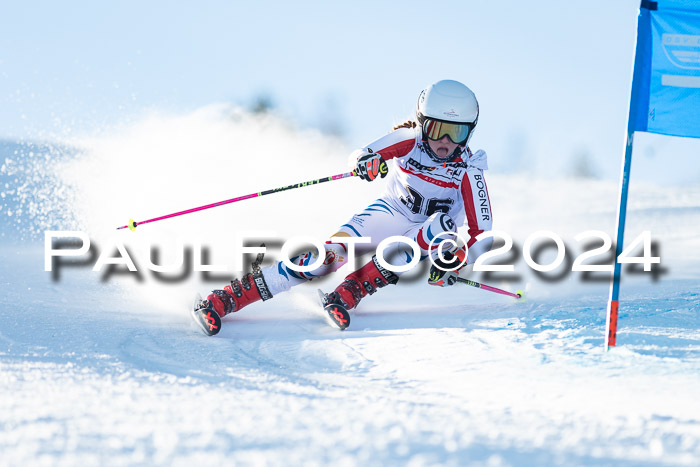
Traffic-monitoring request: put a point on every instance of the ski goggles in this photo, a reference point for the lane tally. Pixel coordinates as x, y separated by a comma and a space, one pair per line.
438, 129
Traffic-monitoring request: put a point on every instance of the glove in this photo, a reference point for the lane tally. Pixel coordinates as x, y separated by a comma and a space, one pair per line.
370, 165
442, 278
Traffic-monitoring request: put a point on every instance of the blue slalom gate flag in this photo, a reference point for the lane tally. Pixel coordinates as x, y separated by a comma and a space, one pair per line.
666, 83
665, 99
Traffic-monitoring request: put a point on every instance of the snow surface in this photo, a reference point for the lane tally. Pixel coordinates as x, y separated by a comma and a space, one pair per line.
100, 368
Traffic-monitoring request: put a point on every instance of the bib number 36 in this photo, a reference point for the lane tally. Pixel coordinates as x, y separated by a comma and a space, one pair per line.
418, 205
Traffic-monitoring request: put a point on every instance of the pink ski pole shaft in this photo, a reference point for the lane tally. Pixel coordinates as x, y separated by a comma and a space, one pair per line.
132, 224
518, 295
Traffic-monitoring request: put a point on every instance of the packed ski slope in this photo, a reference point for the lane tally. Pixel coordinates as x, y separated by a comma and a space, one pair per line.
104, 368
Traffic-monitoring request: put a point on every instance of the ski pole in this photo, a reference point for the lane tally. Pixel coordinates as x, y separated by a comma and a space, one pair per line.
132, 224
517, 295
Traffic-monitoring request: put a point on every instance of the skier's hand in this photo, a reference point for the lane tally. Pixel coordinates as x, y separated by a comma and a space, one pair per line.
370, 165
439, 276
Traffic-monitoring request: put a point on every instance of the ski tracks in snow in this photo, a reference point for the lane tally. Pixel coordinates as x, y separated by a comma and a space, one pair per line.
91, 377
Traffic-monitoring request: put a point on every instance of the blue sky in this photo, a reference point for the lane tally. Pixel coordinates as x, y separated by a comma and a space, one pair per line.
552, 78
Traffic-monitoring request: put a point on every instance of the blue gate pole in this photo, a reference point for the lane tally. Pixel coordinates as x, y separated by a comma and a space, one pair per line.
637, 121
614, 300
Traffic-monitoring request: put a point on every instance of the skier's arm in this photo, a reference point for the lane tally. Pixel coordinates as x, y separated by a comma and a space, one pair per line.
395, 144
477, 207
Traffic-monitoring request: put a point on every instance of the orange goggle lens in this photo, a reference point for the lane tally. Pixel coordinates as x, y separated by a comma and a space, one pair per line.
436, 130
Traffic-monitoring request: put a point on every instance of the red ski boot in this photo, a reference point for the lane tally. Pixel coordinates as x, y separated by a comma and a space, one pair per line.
232, 298
240, 293
365, 281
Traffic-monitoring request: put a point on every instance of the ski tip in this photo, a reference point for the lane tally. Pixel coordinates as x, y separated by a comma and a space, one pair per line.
197, 300
321, 296
132, 225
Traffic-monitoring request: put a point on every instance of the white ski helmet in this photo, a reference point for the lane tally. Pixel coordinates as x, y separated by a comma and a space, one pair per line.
448, 108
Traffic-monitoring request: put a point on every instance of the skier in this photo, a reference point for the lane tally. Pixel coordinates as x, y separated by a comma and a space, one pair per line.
436, 184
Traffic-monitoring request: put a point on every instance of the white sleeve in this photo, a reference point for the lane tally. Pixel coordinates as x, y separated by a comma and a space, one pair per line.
477, 208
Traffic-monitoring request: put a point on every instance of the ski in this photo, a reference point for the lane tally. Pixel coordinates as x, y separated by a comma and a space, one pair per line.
336, 315
205, 317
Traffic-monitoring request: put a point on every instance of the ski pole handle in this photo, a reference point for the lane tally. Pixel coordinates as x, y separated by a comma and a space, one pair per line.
517, 295
133, 224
